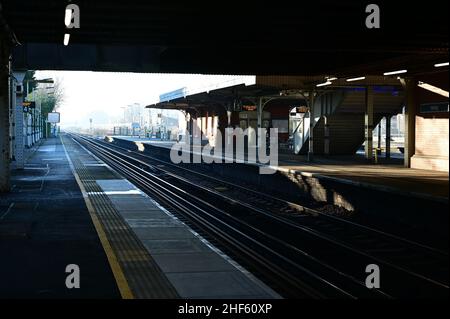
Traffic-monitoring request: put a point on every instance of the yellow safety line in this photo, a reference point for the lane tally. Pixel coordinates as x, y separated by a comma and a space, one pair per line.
119, 276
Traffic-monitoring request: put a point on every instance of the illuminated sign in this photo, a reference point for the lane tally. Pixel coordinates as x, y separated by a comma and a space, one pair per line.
30, 105
249, 107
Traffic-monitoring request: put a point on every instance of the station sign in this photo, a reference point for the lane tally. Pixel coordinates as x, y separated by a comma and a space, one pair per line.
434, 108
53, 117
166, 97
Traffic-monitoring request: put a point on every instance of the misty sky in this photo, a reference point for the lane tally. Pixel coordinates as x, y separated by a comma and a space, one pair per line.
101, 94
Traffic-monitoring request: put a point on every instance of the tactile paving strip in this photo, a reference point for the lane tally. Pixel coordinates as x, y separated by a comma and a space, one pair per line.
143, 275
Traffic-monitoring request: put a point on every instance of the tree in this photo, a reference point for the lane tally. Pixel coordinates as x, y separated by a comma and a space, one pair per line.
50, 101
58, 93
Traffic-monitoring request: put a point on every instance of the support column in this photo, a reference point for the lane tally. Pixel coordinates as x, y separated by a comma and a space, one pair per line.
326, 135
206, 125
229, 118
380, 126
410, 120
227, 140
369, 123
388, 136
259, 110
311, 126
187, 118
190, 128
4, 117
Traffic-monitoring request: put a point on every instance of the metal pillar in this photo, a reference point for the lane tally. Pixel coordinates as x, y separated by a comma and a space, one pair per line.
206, 132
410, 120
388, 136
260, 107
259, 111
368, 119
326, 136
379, 133
311, 126
4, 118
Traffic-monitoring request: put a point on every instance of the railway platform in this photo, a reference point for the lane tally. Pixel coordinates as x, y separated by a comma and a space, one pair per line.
71, 208
389, 176
45, 226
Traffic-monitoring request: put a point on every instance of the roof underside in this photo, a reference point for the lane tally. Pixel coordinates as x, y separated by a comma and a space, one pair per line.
219, 97
283, 89
310, 37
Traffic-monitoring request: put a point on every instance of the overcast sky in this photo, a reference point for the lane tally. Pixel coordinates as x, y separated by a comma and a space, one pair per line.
88, 93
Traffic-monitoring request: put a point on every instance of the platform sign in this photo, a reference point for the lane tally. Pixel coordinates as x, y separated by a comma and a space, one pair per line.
53, 117
434, 108
249, 107
166, 97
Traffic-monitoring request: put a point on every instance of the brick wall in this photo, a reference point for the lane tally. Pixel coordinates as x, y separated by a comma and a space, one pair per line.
431, 151
432, 136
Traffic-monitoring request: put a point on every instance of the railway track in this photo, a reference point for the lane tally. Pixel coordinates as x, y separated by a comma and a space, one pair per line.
309, 255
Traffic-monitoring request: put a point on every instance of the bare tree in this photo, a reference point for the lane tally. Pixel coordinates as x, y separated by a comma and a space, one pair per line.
58, 93
51, 98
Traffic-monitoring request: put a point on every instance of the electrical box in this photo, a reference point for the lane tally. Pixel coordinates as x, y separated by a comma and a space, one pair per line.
19, 89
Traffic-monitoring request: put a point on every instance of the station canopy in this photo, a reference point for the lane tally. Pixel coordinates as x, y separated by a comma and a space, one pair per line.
285, 90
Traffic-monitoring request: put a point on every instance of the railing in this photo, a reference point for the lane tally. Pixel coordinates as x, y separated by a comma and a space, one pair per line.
299, 138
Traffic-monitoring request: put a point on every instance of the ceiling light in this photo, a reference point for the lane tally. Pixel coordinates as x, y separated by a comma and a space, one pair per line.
395, 72
356, 79
66, 38
68, 17
433, 89
324, 84
332, 79
438, 65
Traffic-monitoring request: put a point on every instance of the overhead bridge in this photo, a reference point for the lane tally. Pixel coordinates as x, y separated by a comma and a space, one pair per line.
317, 37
